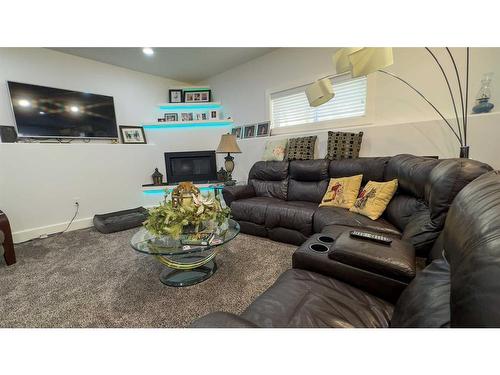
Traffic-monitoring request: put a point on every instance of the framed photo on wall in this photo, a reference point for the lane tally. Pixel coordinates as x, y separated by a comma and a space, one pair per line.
249, 131
175, 96
200, 96
263, 129
132, 134
236, 131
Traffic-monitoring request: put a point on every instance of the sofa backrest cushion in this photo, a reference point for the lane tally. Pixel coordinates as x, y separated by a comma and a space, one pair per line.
446, 181
269, 179
372, 169
412, 173
308, 180
471, 242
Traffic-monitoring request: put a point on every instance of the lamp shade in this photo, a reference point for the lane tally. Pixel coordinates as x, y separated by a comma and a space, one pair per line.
319, 92
362, 61
228, 144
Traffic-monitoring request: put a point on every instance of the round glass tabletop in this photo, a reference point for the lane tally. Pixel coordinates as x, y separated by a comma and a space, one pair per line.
147, 243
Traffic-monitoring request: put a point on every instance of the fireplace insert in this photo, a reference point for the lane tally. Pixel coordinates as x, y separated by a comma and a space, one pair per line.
195, 166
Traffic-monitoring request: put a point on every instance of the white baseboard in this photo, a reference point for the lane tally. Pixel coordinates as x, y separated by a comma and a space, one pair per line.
29, 234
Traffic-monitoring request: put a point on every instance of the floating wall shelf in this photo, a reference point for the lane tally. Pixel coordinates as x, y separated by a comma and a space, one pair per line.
189, 106
187, 124
158, 190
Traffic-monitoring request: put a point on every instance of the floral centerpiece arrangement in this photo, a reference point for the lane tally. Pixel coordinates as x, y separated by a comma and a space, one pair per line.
186, 211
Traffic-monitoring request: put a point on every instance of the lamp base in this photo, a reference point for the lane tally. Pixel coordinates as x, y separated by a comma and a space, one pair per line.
464, 152
230, 182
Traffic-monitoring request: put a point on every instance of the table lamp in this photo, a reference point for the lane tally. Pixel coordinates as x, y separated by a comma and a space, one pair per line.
228, 144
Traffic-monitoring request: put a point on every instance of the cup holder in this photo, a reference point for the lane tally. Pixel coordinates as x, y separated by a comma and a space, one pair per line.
319, 248
326, 239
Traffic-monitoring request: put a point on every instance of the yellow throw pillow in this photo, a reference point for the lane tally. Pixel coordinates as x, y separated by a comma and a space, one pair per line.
374, 198
342, 192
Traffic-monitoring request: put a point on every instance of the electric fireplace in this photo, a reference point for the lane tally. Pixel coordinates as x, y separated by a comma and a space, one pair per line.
195, 166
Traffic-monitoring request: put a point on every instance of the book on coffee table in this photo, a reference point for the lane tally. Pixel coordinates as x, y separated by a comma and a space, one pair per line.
200, 238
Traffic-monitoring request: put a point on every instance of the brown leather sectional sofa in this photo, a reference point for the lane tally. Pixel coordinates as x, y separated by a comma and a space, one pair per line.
363, 284
281, 199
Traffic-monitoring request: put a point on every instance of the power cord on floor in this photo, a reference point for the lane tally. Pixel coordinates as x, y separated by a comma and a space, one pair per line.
59, 233
71, 221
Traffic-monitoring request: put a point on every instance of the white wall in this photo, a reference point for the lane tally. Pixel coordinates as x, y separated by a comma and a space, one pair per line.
401, 121
38, 182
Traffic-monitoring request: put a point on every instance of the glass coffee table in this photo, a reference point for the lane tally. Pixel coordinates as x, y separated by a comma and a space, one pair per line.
184, 264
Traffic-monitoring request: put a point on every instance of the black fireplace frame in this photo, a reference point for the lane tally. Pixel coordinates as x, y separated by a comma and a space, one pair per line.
171, 179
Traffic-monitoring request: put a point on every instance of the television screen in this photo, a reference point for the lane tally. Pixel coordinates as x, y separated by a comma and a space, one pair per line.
44, 112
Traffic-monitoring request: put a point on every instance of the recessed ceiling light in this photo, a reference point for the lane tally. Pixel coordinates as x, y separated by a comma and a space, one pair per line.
74, 109
24, 103
148, 51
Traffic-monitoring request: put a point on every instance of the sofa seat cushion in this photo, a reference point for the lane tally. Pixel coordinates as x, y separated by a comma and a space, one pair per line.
304, 299
297, 215
252, 209
326, 216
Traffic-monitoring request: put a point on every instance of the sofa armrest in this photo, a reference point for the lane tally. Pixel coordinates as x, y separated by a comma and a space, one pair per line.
307, 257
233, 193
396, 260
222, 320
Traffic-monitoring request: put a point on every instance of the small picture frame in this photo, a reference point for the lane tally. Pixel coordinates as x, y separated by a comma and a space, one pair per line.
213, 114
197, 96
236, 131
171, 117
249, 131
201, 116
175, 96
132, 135
263, 129
187, 116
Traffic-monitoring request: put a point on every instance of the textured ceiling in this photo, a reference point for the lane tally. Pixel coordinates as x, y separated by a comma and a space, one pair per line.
183, 64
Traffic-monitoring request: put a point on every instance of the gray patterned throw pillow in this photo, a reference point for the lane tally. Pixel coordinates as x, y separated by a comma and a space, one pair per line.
343, 145
301, 148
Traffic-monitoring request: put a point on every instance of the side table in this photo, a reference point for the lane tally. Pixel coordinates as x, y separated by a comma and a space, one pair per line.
8, 244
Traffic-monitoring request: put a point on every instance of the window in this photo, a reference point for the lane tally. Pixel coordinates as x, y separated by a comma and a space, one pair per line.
290, 107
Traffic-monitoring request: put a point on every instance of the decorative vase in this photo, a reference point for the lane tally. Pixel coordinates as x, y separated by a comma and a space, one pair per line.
193, 228
483, 106
464, 152
483, 96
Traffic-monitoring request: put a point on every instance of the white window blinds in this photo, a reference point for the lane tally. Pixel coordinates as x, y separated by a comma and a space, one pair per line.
290, 107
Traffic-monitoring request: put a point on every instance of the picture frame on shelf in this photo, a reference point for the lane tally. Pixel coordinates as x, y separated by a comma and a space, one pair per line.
201, 116
175, 96
201, 96
171, 117
213, 114
236, 131
249, 131
132, 134
187, 116
263, 129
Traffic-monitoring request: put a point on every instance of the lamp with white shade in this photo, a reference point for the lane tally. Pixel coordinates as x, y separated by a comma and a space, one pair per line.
228, 144
361, 61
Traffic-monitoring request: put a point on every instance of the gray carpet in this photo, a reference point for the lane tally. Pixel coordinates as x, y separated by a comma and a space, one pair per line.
88, 279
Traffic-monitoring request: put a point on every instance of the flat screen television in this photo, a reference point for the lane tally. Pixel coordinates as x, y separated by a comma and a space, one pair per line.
45, 112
